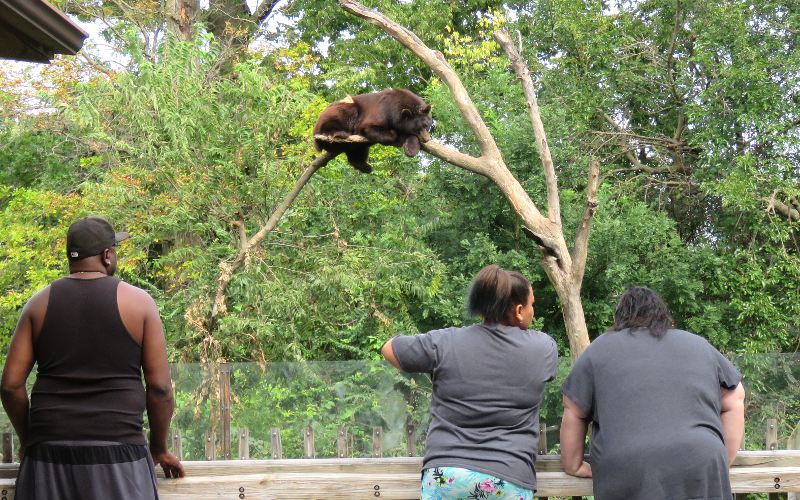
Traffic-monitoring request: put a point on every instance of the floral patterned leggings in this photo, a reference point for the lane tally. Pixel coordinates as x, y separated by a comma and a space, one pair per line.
455, 483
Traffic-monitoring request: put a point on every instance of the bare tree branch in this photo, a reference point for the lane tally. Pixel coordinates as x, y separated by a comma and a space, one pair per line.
455, 157
547, 232
227, 269
553, 203
264, 9
581, 247
436, 61
783, 209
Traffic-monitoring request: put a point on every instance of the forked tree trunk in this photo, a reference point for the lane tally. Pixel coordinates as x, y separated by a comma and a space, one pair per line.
563, 267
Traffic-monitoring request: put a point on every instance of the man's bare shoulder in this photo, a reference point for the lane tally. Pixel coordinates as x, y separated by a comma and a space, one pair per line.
133, 293
37, 304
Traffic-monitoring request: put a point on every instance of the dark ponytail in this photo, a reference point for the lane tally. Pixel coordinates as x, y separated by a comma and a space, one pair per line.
494, 291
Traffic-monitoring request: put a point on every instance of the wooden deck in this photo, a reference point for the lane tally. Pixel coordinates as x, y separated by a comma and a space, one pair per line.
398, 478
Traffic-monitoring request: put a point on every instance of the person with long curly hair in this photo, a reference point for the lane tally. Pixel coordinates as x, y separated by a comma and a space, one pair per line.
666, 409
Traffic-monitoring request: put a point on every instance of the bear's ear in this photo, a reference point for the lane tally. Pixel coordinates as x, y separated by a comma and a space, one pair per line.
425, 109
406, 113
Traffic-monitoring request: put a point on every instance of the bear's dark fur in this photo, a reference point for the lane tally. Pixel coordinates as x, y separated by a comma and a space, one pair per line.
392, 117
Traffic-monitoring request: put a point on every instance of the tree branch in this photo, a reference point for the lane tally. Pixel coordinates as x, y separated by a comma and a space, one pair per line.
456, 157
263, 10
521, 69
783, 209
581, 248
490, 163
436, 61
227, 269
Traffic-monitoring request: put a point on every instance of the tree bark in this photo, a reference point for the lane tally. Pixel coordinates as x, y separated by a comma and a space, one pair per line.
564, 269
181, 16
227, 269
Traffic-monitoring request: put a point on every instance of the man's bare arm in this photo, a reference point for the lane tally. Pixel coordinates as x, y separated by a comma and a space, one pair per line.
158, 388
17, 368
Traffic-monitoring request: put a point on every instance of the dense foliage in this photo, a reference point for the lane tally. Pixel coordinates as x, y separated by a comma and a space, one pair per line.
691, 105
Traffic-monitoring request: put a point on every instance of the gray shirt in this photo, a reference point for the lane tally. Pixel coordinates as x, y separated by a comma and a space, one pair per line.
488, 382
655, 411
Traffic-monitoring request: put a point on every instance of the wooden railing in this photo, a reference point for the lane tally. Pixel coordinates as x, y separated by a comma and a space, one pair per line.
398, 478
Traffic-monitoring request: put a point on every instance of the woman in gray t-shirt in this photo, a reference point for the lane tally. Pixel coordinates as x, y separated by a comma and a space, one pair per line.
488, 381
666, 408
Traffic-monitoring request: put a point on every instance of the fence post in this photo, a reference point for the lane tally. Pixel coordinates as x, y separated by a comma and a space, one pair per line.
8, 447
410, 445
542, 439
341, 442
244, 443
377, 448
772, 434
308, 443
277, 449
225, 409
211, 445
772, 445
177, 445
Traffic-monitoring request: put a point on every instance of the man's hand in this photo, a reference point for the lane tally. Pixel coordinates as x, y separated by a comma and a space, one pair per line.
170, 463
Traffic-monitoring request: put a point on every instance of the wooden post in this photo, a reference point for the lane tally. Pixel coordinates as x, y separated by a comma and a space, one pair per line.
410, 445
772, 434
341, 442
177, 445
542, 439
377, 448
211, 445
277, 449
244, 443
225, 410
308, 443
8, 447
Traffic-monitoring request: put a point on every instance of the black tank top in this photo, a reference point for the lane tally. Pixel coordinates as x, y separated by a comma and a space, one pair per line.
89, 380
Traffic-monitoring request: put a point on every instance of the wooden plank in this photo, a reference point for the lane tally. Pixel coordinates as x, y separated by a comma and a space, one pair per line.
765, 479
210, 445
391, 484
8, 448
308, 443
411, 446
542, 439
341, 442
225, 410
772, 434
244, 443
377, 448
275, 437
177, 445
299, 487
411, 465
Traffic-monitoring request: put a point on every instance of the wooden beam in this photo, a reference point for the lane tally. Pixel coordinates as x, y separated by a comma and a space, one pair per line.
398, 478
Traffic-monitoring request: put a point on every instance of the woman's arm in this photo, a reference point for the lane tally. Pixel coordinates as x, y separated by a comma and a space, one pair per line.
388, 353
573, 434
732, 416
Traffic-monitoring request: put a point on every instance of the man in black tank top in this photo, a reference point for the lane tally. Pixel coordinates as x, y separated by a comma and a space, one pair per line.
91, 336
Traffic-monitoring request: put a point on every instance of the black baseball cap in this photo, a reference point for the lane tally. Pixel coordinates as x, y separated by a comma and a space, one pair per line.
90, 236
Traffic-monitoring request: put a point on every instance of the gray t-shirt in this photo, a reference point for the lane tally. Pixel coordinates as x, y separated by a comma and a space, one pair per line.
488, 382
655, 411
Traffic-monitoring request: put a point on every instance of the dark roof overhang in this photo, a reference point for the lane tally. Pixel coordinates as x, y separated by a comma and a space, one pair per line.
34, 30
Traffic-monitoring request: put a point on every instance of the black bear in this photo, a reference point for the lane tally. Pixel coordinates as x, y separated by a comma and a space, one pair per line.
392, 117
